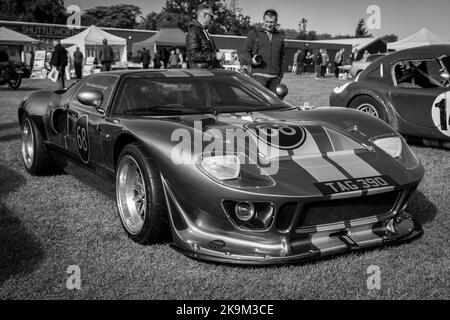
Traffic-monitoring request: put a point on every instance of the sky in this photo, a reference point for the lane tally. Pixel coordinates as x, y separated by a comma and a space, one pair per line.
402, 17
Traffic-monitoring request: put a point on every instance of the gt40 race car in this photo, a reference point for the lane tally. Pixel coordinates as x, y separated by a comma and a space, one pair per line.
409, 89
224, 168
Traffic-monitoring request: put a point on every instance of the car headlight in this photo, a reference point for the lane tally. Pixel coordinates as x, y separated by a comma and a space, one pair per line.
390, 145
221, 167
341, 88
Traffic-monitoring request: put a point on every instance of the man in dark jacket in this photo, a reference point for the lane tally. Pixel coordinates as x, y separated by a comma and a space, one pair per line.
78, 62
201, 51
59, 61
145, 58
264, 51
106, 56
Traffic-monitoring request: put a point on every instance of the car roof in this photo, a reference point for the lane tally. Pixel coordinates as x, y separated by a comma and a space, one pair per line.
173, 72
408, 54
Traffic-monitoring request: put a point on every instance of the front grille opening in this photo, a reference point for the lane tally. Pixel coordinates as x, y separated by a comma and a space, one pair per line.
285, 216
333, 211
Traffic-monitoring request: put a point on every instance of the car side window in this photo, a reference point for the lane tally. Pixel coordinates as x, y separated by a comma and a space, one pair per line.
417, 74
103, 83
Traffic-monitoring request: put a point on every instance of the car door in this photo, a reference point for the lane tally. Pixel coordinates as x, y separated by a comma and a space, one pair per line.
84, 138
417, 90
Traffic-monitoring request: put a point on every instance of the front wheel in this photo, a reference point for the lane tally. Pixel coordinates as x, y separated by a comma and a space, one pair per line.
35, 156
140, 197
369, 105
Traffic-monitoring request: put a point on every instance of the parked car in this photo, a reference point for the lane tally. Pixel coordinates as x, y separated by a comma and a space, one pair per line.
361, 65
408, 89
224, 168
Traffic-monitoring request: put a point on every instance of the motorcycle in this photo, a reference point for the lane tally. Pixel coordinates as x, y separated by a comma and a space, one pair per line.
11, 73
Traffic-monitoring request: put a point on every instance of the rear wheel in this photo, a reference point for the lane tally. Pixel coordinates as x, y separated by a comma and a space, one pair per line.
369, 105
35, 157
15, 80
140, 197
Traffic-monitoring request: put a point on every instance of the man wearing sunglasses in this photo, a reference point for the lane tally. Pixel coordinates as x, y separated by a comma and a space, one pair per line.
201, 52
264, 52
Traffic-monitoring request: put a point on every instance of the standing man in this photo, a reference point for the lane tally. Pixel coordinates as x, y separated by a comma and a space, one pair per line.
325, 60
295, 62
157, 59
318, 63
145, 58
180, 57
78, 62
201, 50
59, 61
264, 51
338, 59
106, 56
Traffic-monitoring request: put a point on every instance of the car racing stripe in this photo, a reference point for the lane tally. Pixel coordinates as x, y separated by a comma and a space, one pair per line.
354, 165
363, 235
321, 137
324, 242
319, 168
308, 147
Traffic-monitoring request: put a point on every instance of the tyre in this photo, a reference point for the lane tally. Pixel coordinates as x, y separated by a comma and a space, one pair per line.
35, 157
140, 197
369, 105
15, 81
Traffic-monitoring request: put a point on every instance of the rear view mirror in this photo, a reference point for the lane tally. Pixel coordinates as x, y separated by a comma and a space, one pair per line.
281, 91
93, 98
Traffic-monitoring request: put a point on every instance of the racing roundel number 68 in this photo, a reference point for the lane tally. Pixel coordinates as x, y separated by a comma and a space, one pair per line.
82, 138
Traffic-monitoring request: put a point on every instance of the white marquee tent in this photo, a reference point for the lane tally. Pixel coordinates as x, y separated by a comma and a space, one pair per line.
423, 37
91, 39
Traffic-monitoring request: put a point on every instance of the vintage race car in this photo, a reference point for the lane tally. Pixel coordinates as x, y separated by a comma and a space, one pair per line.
408, 89
224, 168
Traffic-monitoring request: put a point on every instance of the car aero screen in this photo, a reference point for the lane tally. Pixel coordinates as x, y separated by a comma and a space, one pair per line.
193, 94
332, 211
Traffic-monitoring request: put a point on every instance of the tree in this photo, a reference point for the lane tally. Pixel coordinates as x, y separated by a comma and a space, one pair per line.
302, 25
43, 11
179, 13
289, 33
390, 38
150, 21
118, 16
361, 31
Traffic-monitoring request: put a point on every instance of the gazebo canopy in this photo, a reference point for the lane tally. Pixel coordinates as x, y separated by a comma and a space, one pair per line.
11, 37
93, 36
164, 37
423, 37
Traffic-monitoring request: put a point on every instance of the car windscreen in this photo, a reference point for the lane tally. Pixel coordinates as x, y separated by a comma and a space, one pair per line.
373, 57
141, 94
446, 62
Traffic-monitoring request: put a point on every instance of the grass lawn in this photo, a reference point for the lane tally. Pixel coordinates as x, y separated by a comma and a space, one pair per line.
50, 223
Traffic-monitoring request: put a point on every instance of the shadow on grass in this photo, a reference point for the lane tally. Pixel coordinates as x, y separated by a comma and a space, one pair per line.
9, 125
20, 252
91, 179
10, 137
421, 208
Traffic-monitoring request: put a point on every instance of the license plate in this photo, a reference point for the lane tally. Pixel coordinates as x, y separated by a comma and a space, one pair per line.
348, 185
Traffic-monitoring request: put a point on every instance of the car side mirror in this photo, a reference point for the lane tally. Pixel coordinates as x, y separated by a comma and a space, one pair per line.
445, 76
281, 91
93, 98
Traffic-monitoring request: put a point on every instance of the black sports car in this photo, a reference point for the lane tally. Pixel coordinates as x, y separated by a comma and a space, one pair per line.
408, 89
224, 168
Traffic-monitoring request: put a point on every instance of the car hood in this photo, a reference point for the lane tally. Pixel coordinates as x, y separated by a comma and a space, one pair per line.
318, 147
